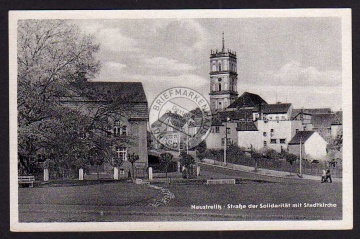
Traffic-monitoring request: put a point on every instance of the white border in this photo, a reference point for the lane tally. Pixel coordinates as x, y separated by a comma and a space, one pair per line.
346, 223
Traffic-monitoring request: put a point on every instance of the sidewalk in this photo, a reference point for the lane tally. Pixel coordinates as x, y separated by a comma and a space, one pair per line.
262, 171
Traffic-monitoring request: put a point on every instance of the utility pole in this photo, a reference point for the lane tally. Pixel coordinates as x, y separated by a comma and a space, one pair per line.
179, 142
300, 157
225, 143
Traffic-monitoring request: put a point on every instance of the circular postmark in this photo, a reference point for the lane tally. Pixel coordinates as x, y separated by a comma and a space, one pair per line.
180, 118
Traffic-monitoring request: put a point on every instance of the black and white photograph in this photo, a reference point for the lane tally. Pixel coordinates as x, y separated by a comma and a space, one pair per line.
180, 120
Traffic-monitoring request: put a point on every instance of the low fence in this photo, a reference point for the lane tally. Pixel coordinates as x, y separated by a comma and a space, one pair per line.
220, 181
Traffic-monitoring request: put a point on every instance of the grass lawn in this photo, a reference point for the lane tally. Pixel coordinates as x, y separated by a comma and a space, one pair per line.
121, 201
261, 193
112, 194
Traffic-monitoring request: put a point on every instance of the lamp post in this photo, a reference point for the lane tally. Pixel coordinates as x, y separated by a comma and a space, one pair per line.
225, 143
300, 175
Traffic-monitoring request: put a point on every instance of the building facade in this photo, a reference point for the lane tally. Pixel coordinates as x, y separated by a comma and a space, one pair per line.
312, 145
120, 114
223, 78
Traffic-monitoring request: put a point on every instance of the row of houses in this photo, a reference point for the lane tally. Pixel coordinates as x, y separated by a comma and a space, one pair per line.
251, 123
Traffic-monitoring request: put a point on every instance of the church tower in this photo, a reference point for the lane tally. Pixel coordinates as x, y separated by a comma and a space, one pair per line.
223, 78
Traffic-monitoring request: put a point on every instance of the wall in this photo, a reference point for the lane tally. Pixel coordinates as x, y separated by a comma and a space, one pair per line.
138, 133
335, 130
295, 149
315, 146
280, 116
214, 140
248, 138
282, 130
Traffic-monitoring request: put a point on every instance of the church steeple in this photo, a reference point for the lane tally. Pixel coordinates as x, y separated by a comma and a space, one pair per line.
223, 42
223, 78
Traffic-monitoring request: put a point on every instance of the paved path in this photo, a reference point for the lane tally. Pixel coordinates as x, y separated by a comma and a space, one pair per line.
262, 171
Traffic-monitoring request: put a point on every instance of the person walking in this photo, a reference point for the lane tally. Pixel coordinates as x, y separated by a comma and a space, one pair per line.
323, 176
328, 176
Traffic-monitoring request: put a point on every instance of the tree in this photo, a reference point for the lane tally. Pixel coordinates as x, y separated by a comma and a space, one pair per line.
256, 156
132, 158
271, 154
186, 160
166, 158
52, 56
201, 148
290, 158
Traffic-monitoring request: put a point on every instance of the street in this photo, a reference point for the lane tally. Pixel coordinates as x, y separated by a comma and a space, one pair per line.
256, 197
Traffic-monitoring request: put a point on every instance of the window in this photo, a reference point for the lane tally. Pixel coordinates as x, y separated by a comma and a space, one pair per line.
219, 86
272, 132
213, 67
220, 105
124, 130
282, 141
117, 128
223, 141
264, 134
297, 130
265, 143
108, 132
272, 141
228, 131
217, 129
219, 66
277, 118
121, 153
283, 117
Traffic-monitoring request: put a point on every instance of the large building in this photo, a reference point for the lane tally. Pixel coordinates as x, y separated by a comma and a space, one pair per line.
223, 78
123, 110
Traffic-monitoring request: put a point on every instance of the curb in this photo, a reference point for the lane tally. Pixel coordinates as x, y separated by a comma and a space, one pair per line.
305, 176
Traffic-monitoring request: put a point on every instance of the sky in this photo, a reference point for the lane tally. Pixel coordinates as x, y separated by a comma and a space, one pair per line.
294, 60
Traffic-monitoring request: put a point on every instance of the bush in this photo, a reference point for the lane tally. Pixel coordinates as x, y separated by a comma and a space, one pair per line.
234, 153
272, 154
201, 148
205, 155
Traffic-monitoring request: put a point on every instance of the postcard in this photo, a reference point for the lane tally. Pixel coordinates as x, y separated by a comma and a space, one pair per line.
158, 120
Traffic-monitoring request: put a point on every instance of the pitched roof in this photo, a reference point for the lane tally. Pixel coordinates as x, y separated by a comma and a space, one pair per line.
303, 135
313, 111
296, 112
124, 92
322, 120
241, 114
128, 96
246, 126
170, 119
276, 108
247, 100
